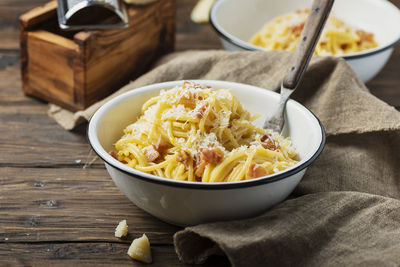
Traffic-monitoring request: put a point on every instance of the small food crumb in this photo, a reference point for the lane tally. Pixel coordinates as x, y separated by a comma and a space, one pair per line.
122, 229
150, 153
201, 10
140, 249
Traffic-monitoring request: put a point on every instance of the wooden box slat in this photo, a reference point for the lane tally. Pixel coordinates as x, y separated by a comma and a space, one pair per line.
61, 52
77, 69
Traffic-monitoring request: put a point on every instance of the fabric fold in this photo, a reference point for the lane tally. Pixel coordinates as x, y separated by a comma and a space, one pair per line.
322, 229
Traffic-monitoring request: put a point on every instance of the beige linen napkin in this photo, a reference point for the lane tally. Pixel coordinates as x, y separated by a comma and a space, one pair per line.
321, 226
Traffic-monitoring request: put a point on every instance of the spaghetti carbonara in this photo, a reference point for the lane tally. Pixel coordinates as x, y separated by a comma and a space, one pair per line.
195, 133
337, 38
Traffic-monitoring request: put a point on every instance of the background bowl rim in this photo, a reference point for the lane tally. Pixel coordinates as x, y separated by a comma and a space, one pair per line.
247, 46
102, 153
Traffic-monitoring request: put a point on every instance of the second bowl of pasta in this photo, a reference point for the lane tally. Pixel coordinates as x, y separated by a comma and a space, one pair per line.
360, 31
190, 152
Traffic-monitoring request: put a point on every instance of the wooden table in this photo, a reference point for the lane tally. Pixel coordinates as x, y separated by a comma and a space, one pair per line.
54, 208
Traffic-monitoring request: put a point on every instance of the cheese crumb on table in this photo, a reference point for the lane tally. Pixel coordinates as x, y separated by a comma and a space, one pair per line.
122, 229
201, 11
140, 249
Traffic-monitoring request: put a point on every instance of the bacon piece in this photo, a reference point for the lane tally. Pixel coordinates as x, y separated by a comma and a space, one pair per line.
213, 156
296, 29
188, 99
150, 153
200, 169
265, 137
182, 156
201, 111
255, 171
365, 36
268, 143
113, 154
188, 102
162, 145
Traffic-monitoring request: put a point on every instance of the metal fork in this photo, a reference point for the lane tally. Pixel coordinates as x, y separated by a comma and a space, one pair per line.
301, 57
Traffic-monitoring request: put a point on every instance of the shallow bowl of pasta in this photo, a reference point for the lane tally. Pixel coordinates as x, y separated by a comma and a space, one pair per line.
363, 32
191, 152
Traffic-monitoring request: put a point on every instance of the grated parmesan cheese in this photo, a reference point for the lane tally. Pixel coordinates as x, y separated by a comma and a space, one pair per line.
140, 249
195, 124
122, 229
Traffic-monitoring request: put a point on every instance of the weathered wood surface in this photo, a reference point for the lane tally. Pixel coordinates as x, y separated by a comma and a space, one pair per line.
72, 204
80, 254
88, 254
52, 211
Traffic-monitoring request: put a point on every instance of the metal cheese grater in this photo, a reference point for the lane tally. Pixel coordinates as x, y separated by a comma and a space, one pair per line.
92, 14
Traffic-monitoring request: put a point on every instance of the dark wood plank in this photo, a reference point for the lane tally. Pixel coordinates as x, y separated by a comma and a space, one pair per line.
10, 80
61, 205
10, 10
28, 137
386, 85
190, 35
9, 36
205, 39
83, 254
68, 216
88, 254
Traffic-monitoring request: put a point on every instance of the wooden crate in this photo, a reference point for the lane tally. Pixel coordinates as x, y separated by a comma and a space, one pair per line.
77, 69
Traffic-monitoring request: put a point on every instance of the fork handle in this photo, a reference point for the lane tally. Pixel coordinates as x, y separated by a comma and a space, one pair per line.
308, 39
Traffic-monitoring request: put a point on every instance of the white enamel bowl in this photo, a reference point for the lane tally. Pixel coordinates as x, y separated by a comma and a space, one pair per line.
189, 203
236, 21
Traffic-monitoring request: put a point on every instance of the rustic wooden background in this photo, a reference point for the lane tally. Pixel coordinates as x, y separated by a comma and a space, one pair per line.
56, 210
